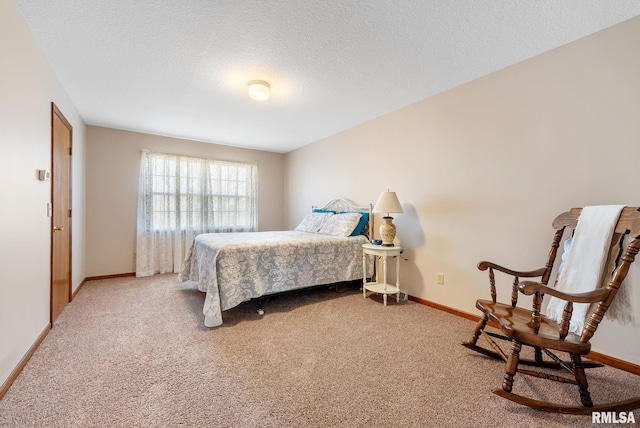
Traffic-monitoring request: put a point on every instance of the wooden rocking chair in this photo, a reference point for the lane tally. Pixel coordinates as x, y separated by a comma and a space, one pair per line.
530, 328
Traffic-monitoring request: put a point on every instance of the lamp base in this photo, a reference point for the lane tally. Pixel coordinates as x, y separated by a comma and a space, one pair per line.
387, 245
387, 231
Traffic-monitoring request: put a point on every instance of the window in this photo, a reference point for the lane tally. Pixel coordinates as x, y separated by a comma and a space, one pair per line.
181, 197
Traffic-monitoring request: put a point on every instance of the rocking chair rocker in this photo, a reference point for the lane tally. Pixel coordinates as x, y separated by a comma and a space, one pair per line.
522, 327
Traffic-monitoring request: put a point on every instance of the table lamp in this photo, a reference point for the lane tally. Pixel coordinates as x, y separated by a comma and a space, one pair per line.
388, 203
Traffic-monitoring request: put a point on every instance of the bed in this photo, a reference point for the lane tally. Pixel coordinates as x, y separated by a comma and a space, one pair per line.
231, 268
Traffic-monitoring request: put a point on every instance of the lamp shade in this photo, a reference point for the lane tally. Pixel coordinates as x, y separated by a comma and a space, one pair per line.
388, 203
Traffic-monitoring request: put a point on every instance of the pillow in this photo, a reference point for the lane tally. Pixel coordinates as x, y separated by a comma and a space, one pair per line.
340, 224
364, 218
318, 210
313, 222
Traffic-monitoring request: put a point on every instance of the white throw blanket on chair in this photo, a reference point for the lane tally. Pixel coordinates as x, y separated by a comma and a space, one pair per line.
585, 265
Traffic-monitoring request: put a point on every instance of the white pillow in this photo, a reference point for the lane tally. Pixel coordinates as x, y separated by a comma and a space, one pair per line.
340, 224
312, 222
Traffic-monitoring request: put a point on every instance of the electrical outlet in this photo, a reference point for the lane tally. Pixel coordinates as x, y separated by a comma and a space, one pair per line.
440, 278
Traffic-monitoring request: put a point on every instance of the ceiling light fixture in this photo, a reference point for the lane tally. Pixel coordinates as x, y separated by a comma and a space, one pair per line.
259, 90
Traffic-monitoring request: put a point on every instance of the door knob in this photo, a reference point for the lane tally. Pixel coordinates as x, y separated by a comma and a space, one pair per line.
57, 228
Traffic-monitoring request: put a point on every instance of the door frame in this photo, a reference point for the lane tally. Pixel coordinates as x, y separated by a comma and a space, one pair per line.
55, 112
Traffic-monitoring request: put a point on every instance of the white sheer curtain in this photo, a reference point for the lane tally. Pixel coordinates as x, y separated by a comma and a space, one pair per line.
180, 197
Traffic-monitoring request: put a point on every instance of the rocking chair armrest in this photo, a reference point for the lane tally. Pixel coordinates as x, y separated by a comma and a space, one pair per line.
531, 287
484, 265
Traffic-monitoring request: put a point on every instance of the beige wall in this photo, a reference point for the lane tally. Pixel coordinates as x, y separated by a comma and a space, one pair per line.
27, 88
113, 164
481, 170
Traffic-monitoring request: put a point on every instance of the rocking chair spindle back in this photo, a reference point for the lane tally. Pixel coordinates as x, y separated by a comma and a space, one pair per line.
524, 327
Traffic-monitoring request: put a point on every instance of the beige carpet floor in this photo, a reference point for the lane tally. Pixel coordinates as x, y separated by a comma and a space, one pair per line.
134, 352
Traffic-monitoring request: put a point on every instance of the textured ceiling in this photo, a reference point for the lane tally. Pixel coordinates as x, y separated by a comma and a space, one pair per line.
180, 68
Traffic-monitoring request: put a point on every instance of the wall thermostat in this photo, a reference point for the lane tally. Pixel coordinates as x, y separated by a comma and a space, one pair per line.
44, 175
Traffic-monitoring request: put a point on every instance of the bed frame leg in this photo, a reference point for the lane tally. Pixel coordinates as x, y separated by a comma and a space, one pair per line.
260, 311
